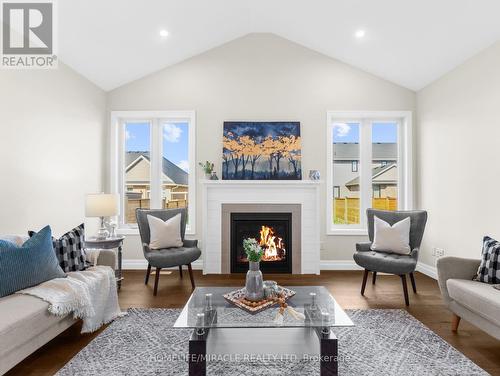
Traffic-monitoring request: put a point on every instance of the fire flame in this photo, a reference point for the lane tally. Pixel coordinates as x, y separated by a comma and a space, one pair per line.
273, 246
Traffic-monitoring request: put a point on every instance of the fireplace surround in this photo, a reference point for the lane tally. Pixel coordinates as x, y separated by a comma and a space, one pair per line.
273, 231
221, 198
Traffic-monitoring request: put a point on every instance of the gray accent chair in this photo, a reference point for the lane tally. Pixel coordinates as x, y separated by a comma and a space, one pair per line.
476, 302
168, 257
391, 263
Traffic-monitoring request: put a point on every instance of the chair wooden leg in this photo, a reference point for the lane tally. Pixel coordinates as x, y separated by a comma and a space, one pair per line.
365, 276
405, 289
191, 275
180, 270
413, 284
455, 321
157, 278
374, 278
148, 272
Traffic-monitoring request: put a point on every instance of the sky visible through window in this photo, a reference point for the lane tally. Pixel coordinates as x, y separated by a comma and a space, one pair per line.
175, 141
381, 133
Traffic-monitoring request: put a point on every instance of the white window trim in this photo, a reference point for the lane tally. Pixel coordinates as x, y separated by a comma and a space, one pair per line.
405, 159
116, 154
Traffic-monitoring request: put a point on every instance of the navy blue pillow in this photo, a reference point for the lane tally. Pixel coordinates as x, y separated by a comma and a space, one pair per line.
29, 265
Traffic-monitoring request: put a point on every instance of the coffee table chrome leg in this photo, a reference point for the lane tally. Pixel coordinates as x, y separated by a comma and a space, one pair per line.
198, 353
329, 365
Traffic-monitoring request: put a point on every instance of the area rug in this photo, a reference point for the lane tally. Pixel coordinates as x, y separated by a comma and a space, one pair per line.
383, 342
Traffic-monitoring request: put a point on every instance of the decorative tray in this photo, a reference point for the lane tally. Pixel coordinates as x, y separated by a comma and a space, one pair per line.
237, 297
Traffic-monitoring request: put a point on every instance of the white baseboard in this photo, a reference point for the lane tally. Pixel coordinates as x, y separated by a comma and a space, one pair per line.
141, 264
133, 264
339, 265
428, 270
138, 264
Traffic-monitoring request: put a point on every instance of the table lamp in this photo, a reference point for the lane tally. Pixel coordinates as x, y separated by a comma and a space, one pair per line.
102, 205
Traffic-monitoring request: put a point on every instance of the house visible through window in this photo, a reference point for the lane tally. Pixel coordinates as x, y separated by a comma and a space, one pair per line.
155, 163
379, 142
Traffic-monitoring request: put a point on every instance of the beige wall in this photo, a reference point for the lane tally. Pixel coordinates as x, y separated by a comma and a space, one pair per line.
459, 165
262, 77
52, 132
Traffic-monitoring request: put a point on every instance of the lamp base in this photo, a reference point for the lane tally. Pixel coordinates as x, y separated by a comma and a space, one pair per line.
103, 233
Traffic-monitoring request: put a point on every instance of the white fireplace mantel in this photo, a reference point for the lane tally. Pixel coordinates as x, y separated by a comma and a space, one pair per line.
306, 193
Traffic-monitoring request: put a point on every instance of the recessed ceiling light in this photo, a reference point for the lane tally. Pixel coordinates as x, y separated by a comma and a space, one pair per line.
360, 34
163, 33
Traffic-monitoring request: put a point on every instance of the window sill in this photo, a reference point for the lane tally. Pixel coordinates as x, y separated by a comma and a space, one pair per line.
347, 232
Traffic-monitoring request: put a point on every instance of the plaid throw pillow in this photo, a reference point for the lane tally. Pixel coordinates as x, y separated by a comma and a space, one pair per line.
489, 270
69, 249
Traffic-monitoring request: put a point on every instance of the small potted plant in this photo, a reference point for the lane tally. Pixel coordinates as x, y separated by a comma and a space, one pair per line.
254, 284
208, 168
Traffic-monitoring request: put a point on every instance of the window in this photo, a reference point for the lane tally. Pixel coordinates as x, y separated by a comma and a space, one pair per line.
153, 163
346, 209
136, 168
175, 165
369, 159
385, 178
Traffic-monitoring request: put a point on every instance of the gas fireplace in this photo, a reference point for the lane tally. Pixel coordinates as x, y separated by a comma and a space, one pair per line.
273, 231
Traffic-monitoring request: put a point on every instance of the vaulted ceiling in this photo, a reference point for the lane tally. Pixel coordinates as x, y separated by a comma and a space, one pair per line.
408, 42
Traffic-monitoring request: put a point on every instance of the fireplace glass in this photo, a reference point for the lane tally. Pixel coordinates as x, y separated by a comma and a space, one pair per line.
273, 231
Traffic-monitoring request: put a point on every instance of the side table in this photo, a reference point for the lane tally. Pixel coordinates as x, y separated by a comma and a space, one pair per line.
109, 243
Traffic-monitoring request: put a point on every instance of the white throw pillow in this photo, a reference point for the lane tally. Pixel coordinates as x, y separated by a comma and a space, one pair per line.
395, 238
165, 234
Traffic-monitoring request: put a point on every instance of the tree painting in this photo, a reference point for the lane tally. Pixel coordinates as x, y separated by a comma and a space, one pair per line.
261, 151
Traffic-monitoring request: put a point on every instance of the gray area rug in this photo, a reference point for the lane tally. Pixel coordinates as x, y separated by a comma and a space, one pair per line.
383, 342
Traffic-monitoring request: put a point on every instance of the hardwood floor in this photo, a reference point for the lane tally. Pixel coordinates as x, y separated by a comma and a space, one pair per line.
345, 286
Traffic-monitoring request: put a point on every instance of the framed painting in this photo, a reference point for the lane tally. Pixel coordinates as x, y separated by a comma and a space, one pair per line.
264, 150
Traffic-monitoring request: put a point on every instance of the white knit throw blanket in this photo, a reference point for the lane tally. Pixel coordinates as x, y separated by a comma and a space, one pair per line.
89, 295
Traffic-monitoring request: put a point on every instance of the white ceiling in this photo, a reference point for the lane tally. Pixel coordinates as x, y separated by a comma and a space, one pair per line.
409, 42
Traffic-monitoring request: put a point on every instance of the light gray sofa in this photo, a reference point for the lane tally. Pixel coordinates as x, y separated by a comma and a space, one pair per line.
26, 324
476, 302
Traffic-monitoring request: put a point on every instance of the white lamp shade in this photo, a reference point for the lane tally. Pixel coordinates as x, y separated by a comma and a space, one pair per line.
102, 205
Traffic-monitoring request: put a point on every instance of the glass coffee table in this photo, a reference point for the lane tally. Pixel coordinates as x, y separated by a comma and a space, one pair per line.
223, 331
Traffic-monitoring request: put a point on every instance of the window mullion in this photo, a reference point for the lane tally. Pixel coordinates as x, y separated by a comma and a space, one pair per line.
156, 164
191, 227
365, 170
404, 167
119, 184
